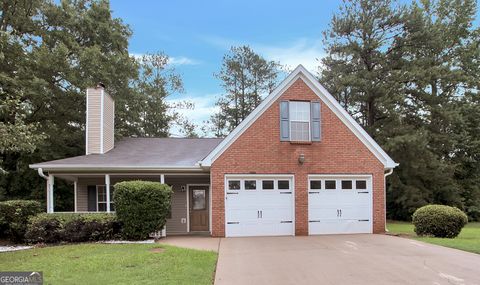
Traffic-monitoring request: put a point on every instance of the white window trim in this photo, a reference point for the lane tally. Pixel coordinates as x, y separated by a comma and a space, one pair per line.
104, 202
258, 182
306, 121
338, 181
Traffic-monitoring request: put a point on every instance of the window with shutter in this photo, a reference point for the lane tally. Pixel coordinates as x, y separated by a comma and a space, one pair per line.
300, 121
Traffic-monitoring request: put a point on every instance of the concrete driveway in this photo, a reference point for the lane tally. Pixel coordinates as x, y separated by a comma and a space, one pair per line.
342, 259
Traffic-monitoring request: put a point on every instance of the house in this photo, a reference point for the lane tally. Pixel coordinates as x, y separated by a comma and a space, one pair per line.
299, 164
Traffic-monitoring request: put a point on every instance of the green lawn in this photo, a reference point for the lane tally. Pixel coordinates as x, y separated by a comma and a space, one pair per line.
468, 240
114, 264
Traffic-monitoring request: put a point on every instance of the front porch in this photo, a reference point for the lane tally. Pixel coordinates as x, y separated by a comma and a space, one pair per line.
190, 205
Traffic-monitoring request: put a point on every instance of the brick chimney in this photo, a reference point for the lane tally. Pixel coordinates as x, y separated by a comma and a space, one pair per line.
100, 121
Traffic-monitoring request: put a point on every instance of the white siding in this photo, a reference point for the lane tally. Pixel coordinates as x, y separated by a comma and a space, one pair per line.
93, 120
99, 136
108, 123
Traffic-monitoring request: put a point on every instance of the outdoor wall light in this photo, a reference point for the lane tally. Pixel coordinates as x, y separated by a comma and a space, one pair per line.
301, 158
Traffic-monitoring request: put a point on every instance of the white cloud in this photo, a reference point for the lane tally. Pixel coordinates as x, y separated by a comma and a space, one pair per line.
305, 51
183, 60
172, 60
302, 51
204, 108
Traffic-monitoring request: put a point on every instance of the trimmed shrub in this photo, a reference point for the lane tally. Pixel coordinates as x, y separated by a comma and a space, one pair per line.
439, 221
44, 228
14, 215
142, 207
72, 227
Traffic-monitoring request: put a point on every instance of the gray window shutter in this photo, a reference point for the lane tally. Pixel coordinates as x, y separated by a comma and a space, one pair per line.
284, 121
92, 198
315, 121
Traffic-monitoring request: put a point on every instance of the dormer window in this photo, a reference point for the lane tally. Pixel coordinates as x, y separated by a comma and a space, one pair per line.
300, 121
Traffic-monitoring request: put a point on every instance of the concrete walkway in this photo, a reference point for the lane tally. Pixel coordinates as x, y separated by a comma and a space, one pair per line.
193, 242
342, 259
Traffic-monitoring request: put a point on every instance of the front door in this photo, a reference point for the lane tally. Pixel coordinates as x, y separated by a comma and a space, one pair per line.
198, 202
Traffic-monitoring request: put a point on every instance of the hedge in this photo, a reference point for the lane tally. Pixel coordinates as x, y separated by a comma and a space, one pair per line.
439, 221
72, 227
14, 215
142, 207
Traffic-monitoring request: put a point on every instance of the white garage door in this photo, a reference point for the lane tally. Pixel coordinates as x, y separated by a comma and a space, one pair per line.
259, 205
339, 204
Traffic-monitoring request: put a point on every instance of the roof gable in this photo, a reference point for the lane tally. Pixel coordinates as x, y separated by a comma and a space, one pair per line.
301, 73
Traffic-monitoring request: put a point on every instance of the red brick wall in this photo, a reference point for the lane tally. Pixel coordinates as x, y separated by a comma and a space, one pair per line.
259, 150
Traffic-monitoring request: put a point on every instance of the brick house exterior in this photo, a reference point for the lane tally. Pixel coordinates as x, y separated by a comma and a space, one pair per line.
258, 150
259, 180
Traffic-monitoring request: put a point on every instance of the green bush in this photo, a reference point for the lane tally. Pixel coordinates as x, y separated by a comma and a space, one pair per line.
142, 207
439, 221
14, 215
72, 227
44, 228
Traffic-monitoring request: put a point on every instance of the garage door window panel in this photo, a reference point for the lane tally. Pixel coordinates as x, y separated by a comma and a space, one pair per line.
347, 185
283, 184
361, 184
330, 184
315, 184
250, 184
268, 184
234, 185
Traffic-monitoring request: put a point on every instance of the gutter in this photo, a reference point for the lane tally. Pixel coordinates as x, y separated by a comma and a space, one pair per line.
113, 168
389, 172
40, 172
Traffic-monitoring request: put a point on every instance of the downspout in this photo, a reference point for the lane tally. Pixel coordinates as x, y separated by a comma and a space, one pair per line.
390, 171
46, 177
40, 172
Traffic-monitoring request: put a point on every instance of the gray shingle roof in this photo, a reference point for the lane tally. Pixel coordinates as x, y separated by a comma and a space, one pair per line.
142, 153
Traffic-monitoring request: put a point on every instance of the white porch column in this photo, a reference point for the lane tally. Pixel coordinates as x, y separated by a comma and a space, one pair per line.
164, 230
50, 184
107, 190
75, 197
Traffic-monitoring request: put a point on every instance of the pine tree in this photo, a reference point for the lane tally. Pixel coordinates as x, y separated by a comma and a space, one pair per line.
246, 77
400, 71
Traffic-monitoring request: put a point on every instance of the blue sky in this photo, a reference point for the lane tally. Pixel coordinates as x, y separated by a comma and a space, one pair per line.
196, 34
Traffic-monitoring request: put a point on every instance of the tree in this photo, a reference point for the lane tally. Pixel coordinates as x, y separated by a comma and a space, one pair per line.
156, 82
358, 67
50, 53
245, 76
400, 71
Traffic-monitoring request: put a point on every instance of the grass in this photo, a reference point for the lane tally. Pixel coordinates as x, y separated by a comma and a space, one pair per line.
114, 264
468, 240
